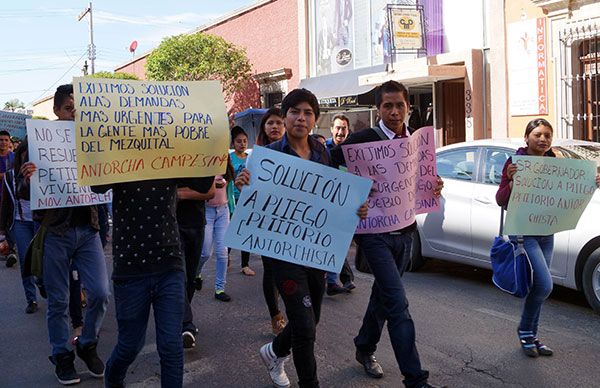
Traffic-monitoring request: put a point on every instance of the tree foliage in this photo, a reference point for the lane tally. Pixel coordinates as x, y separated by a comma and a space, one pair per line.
108, 74
198, 57
14, 104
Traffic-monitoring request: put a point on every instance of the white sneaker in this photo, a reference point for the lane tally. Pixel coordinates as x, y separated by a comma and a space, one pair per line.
275, 365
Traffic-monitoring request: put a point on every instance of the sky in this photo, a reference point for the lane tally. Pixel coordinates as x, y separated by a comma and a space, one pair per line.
43, 44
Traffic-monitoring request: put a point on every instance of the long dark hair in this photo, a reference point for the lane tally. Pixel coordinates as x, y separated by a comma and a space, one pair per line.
229, 171
263, 139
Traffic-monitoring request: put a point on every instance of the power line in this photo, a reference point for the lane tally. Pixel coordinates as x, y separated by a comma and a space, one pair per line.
60, 78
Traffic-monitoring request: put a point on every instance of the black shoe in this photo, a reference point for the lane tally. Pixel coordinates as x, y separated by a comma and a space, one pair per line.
32, 307
222, 296
198, 283
92, 361
368, 361
542, 349
65, 368
11, 260
349, 285
42, 291
336, 289
189, 339
427, 385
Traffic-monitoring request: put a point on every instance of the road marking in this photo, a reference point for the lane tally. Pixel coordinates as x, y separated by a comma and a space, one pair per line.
498, 314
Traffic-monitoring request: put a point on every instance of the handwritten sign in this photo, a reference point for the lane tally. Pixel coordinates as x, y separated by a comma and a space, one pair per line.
404, 175
548, 194
136, 130
54, 184
14, 123
297, 211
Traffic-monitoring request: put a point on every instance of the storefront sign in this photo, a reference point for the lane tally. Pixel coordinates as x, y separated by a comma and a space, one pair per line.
337, 102
407, 28
527, 64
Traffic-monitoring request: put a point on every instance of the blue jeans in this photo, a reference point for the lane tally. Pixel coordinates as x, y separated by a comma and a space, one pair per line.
82, 246
539, 249
165, 292
217, 221
23, 232
388, 256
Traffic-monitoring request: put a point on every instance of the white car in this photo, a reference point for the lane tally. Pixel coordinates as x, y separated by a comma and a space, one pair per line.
464, 228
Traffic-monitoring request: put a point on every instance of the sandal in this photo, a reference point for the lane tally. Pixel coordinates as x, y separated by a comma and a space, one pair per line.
248, 271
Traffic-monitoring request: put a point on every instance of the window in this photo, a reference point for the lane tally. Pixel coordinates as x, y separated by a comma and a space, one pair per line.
457, 164
580, 80
494, 161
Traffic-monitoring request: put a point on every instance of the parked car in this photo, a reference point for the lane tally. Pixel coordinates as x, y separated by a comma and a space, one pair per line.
464, 228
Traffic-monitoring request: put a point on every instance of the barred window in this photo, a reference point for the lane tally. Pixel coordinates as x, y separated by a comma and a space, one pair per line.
580, 80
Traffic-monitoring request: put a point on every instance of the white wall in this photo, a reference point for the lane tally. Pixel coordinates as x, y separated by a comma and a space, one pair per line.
463, 24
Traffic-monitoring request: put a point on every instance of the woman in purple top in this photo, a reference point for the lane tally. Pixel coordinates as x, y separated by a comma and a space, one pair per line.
538, 137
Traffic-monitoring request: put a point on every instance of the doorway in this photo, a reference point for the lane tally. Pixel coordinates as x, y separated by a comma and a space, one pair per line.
453, 111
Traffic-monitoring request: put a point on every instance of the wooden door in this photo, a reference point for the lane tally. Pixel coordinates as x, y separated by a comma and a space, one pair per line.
453, 112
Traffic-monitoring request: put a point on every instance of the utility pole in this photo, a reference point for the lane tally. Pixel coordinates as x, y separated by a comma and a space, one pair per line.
91, 47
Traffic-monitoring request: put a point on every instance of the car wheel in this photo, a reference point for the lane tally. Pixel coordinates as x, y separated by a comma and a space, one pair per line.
416, 258
591, 281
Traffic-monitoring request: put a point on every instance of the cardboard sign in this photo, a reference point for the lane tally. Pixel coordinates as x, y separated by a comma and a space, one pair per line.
404, 175
14, 123
297, 211
54, 184
548, 194
136, 130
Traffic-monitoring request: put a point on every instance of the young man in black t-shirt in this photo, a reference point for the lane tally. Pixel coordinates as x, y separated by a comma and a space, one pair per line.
148, 270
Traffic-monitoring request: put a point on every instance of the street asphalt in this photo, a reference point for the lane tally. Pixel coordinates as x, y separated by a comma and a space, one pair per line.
466, 336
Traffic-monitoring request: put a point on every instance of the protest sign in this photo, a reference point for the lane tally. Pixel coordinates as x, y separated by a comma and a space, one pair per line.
297, 211
136, 130
404, 175
548, 194
54, 184
14, 123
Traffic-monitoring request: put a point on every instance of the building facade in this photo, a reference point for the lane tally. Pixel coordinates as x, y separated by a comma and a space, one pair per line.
351, 52
561, 41
271, 32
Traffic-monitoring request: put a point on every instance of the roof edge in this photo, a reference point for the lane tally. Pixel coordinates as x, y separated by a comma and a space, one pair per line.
232, 15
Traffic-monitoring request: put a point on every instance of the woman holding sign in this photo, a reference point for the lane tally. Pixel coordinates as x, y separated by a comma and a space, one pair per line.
538, 137
271, 130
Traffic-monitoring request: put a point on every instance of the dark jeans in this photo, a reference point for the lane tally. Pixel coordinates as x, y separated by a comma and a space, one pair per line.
301, 289
388, 256
133, 298
79, 245
23, 232
191, 244
245, 258
269, 287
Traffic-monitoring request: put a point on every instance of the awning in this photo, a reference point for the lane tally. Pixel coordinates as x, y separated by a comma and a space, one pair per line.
415, 74
340, 84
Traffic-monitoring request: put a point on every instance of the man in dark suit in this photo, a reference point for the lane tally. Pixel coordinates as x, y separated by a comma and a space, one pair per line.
388, 255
